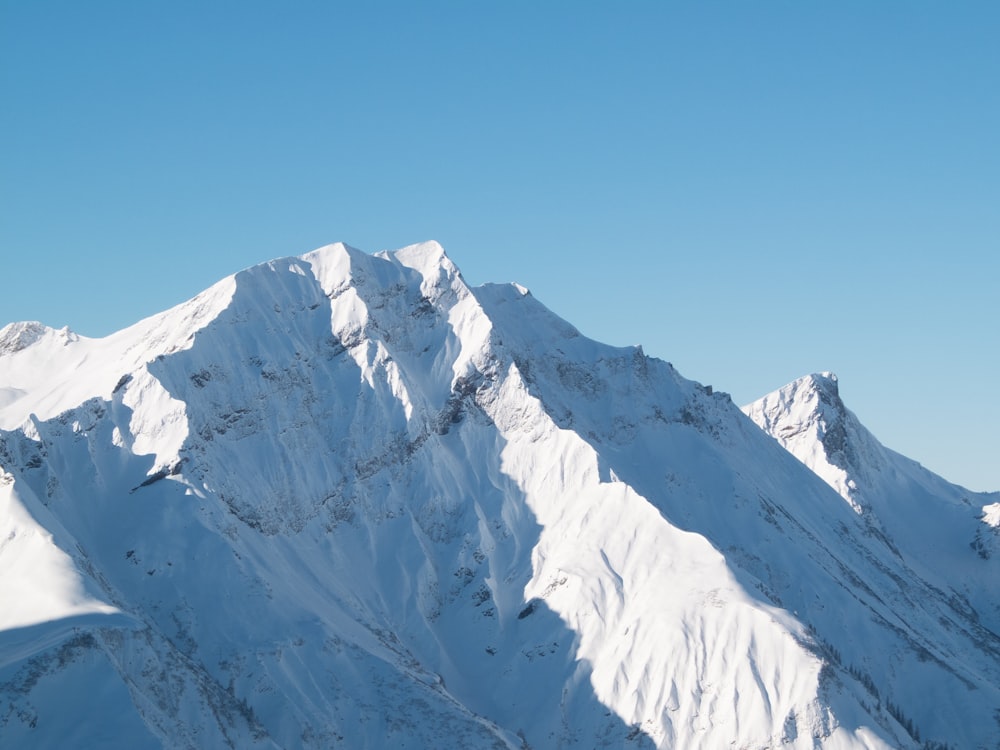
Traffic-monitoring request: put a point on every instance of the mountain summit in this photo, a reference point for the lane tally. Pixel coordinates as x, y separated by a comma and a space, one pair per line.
929, 521
346, 500
809, 419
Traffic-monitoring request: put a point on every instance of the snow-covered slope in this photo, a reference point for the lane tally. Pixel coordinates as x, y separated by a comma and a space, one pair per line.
347, 500
946, 532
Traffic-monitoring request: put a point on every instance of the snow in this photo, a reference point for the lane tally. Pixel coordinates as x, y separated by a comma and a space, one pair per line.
943, 531
38, 582
804, 416
344, 499
59, 370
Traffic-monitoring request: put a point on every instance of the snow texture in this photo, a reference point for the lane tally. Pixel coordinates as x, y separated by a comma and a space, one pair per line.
344, 500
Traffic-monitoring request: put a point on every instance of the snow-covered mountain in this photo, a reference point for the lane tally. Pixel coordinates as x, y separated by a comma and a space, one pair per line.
342, 500
949, 534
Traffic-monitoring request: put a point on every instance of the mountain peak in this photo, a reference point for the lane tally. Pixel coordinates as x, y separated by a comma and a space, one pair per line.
20, 335
824, 379
344, 499
812, 401
898, 499
430, 261
809, 418
424, 255
825, 386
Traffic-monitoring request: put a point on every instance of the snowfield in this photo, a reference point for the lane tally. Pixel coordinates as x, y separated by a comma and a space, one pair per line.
346, 500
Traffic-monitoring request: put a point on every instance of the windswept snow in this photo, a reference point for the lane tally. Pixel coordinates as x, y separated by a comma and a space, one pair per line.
347, 500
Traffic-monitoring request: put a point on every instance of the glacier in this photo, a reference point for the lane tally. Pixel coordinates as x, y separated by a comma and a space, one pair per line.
348, 500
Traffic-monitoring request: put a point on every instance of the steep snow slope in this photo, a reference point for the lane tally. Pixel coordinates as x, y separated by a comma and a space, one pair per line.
946, 532
346, 500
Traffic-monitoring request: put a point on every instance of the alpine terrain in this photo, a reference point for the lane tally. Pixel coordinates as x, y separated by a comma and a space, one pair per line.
345, 500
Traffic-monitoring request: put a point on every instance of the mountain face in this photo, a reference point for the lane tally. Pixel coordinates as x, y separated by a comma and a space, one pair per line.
342, 500
927, 521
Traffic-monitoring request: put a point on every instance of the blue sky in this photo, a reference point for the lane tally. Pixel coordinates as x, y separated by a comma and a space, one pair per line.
753, 191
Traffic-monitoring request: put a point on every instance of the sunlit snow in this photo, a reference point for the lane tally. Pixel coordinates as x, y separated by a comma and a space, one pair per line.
347, 500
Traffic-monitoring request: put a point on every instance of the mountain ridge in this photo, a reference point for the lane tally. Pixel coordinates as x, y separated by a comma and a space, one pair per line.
899, 498
350, 499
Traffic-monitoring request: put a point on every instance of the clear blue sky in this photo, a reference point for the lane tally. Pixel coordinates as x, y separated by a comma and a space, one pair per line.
753, 191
